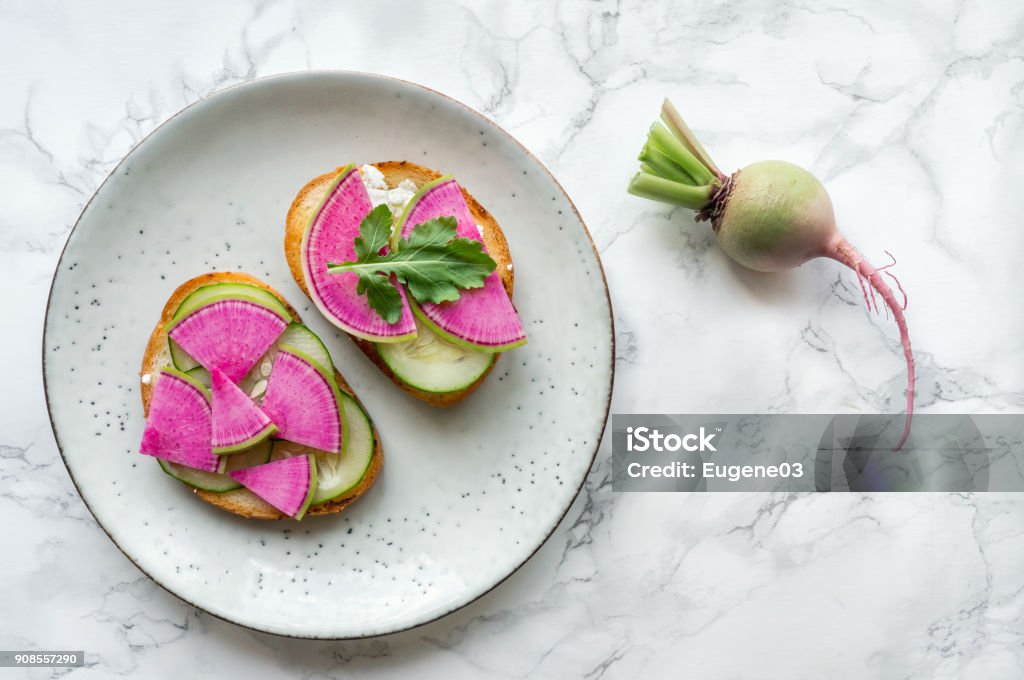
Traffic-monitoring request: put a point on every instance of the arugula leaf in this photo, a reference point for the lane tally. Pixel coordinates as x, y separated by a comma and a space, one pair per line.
374, 232
432, 263
382, 295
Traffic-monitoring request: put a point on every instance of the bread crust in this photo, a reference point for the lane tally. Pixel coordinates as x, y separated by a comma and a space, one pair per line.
310, 196
242, 501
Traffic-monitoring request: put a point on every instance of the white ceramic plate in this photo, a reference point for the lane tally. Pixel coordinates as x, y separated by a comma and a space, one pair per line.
467, 494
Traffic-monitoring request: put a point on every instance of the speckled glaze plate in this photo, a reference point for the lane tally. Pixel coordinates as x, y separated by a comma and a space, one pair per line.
466, 495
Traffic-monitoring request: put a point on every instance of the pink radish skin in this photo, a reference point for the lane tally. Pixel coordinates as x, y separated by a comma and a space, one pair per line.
772, 216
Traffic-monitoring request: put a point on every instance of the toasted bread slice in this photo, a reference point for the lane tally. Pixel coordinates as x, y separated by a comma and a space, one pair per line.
301, 212
242, 501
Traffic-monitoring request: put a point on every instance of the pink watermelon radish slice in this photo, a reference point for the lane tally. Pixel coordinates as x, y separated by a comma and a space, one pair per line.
304, 402
328, 238
287, 484
229, 334
179, 425
482, 318
203, 294
238, 422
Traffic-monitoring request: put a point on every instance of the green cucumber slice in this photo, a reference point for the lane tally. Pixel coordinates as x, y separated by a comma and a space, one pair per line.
180, 358
200, 375
337, 474
431, 363
200, 296
219, 482
307, 342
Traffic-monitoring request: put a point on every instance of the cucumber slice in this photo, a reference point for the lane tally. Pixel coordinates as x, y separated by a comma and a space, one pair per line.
307, 342
180, 358
200, 375
338, 474
216, 481
201, 296
431, 363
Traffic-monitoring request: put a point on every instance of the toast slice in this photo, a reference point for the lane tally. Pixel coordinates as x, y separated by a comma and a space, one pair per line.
242, 501
301, 212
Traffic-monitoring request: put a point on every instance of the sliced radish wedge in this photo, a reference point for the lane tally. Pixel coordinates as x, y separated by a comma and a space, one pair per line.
304, 402
337, 474
179, 424
286, 484
229, 334
330, 237
238, 422
200, 296
482, 318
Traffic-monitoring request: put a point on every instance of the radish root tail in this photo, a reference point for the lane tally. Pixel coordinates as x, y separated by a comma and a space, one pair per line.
893, 277
864, 291
846, 254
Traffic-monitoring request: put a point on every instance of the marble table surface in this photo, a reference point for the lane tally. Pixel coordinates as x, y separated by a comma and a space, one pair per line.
910, 112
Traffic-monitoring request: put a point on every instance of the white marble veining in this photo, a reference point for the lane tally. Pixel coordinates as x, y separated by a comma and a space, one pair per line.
911, 113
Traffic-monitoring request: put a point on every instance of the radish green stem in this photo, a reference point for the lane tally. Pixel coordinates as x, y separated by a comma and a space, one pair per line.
662, 140
657, 163
677, 193
683, 132
649, 170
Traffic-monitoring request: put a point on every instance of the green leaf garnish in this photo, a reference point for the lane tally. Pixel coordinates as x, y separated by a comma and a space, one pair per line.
433, 264
374, 232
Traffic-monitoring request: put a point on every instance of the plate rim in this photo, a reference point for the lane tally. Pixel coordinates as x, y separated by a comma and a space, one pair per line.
298, 75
